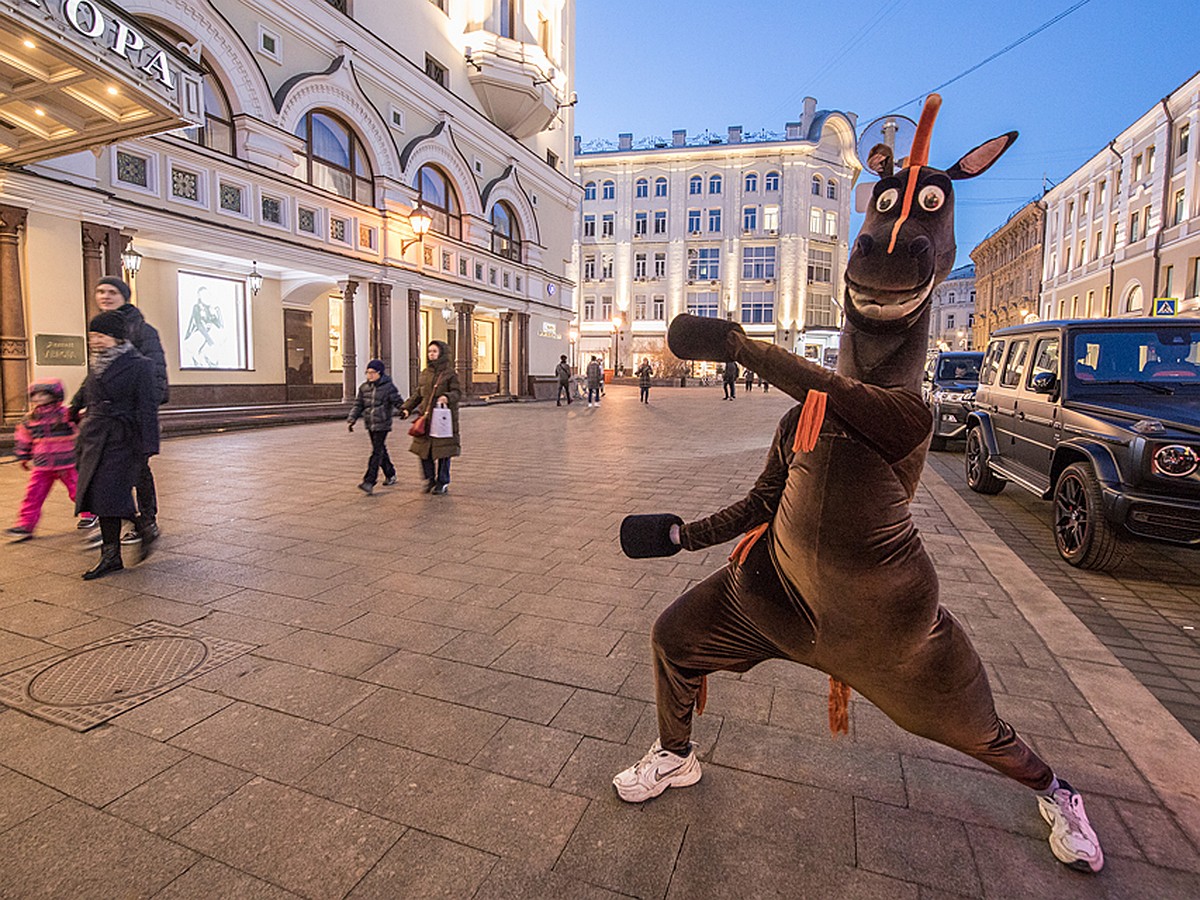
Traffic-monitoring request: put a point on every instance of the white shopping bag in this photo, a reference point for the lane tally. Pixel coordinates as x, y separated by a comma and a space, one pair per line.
441, 422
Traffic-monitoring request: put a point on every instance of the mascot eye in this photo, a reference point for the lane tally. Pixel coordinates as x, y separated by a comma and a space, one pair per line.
887, 200
931, 198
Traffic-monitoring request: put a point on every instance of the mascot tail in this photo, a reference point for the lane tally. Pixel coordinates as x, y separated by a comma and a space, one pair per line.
839, 707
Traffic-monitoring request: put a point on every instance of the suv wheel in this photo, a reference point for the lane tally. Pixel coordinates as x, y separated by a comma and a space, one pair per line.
1084, 537
980, 478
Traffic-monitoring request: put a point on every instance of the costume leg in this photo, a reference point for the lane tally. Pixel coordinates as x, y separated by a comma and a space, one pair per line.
40, 482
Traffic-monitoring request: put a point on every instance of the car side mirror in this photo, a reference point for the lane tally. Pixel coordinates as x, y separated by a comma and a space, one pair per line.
1044, 383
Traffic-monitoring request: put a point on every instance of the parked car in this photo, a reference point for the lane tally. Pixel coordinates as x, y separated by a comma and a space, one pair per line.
951, 378
1103, 418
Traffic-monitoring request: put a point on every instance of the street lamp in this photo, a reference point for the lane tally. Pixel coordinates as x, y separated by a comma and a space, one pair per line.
420, 221
132, 261
574, 334
255, 278
616, 324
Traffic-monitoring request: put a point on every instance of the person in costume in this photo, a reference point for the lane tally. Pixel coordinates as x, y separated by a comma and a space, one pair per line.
831, 572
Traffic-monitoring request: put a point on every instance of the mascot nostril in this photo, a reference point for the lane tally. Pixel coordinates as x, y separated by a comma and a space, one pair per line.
831, 571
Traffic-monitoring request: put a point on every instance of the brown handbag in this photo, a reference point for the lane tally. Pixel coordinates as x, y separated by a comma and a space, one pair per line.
420, 425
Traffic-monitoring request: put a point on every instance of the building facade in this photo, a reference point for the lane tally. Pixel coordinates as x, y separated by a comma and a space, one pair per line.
750, 227
272, 231
1008, 272
952, 311
1124, 228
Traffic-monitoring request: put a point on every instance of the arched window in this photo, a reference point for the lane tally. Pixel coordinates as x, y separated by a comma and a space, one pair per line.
660, 187
695, 185
217, 131
771, 182
1133, 299
334, 157
506, 233
751, 182
816, 186
439, 197
610, 190
642, 188
714, 184
589, 191
831, 189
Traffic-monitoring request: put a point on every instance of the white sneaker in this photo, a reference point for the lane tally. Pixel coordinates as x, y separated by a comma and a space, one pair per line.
658, 770
1072, 839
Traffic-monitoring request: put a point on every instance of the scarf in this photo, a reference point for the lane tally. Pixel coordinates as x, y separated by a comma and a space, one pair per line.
100, 362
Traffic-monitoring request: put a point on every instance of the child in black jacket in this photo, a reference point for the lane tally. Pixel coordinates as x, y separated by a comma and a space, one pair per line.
378, 398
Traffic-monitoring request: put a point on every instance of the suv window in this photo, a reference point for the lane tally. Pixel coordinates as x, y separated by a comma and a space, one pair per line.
1014, 367
1045, 358
958, 368
991, 362
1160, 356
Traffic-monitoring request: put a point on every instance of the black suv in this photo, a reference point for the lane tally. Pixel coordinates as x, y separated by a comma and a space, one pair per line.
950, 382
1103, 417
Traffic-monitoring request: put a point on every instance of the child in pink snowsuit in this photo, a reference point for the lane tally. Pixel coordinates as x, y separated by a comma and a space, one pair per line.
45, 437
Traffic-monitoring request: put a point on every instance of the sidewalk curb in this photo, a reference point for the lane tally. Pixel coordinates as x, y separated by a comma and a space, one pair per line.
1167, 756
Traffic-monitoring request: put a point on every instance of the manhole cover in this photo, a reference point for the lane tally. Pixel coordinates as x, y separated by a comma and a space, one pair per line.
85, 687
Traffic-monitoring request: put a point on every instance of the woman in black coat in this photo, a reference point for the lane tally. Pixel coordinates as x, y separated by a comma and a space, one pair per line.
118, 432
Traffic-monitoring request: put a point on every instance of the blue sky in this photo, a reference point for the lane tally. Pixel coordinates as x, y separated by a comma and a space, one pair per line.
649, 66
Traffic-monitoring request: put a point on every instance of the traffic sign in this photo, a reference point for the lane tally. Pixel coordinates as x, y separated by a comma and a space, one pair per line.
1165, 306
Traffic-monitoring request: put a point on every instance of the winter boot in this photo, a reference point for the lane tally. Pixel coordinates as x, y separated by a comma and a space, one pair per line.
110, 561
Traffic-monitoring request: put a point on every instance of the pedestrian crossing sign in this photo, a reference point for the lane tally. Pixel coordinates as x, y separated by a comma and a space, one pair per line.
1165, 306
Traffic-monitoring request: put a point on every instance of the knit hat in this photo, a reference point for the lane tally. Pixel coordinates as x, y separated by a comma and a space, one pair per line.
119, 284
51, 386
111, 323
377, 365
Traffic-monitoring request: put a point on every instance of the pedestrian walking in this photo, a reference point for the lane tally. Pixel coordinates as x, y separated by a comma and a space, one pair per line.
113, 295
749, 381
763, 383
563, 371
729, 380
437, 388
118, 433
595, 382
44, 442
378, 398
644, 374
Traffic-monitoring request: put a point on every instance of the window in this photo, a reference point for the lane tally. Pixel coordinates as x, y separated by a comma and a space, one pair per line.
212, 322
660, 222
589, 309
1149, 161
1066, 257
606, 267
1193, 287
1169, 281
818, 309
1101, 192
703, 303
658, 307
606, 225
831, 224
820, 266
335, 333
991, 362
816, 185
660, 187
1045, 359
272, 212
306, 220
758, 263
1182, 140
639, 265
771, 219
704, 264
589, 191
1096, 238
693, 221
1135, 220
1133, 299
1178, 208
771, 182
610, 190
750, 218
1014, 367
758, 307
436, 71
1136, 174
1112, 238
1083, 206
660, 265
751, 182
544, 34
714, 220
132, 169
641, 188
439, 197
714, 184
589, 268
641, 223
1070, 214
950, 318
334, 158
185, 185
831, 189
695, 185
1145, 220
589, 226
639, 307
1090, 309
1082, 255
605, 308
815, 220
506, 13
506, 232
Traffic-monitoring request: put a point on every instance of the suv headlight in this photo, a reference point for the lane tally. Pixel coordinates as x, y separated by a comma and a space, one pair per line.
1176, 460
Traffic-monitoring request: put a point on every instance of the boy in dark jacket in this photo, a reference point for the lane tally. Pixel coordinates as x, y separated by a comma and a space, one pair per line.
46, 439
378, 398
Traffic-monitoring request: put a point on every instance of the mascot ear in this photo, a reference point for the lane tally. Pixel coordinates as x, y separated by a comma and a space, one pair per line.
881, 160
981, 158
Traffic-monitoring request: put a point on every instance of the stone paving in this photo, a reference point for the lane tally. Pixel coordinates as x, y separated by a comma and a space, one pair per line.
443, 687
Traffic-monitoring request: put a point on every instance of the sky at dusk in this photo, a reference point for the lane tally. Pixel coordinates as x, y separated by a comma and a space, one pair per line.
650, 66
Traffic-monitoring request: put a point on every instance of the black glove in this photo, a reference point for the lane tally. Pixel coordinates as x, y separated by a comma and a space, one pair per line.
349, 426
699, 337
643, 537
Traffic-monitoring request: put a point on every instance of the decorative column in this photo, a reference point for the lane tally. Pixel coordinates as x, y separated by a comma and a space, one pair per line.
506, 318
95, 237
349, 358
14, 341
414, 338
522, 354
381, 322
464, 353
114, 245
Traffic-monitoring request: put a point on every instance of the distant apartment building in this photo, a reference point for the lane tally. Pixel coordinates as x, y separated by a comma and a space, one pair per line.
952, 311
1124, 228
752, 227
1008, 272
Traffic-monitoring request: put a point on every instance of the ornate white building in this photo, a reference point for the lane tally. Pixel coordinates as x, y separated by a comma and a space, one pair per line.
953, 311
273, 239
753, 227
1124, 228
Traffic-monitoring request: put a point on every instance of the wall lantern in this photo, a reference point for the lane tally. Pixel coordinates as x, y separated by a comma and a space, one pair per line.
420, 220
255, 278
132, 261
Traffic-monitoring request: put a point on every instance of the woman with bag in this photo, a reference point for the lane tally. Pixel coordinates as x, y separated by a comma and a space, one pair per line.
435, 430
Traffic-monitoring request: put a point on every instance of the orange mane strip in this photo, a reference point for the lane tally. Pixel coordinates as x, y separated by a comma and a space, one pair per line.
808, 429
919, 156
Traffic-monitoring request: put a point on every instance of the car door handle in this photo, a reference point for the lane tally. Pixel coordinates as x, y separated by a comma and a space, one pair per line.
1021, 416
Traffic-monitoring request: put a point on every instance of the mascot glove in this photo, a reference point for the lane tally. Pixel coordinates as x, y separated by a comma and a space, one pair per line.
643, 537
699, 337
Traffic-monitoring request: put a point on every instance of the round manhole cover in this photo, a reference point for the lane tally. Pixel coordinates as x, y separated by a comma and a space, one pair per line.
117, 671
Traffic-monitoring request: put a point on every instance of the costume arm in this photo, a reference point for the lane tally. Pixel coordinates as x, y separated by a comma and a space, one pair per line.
756, 507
